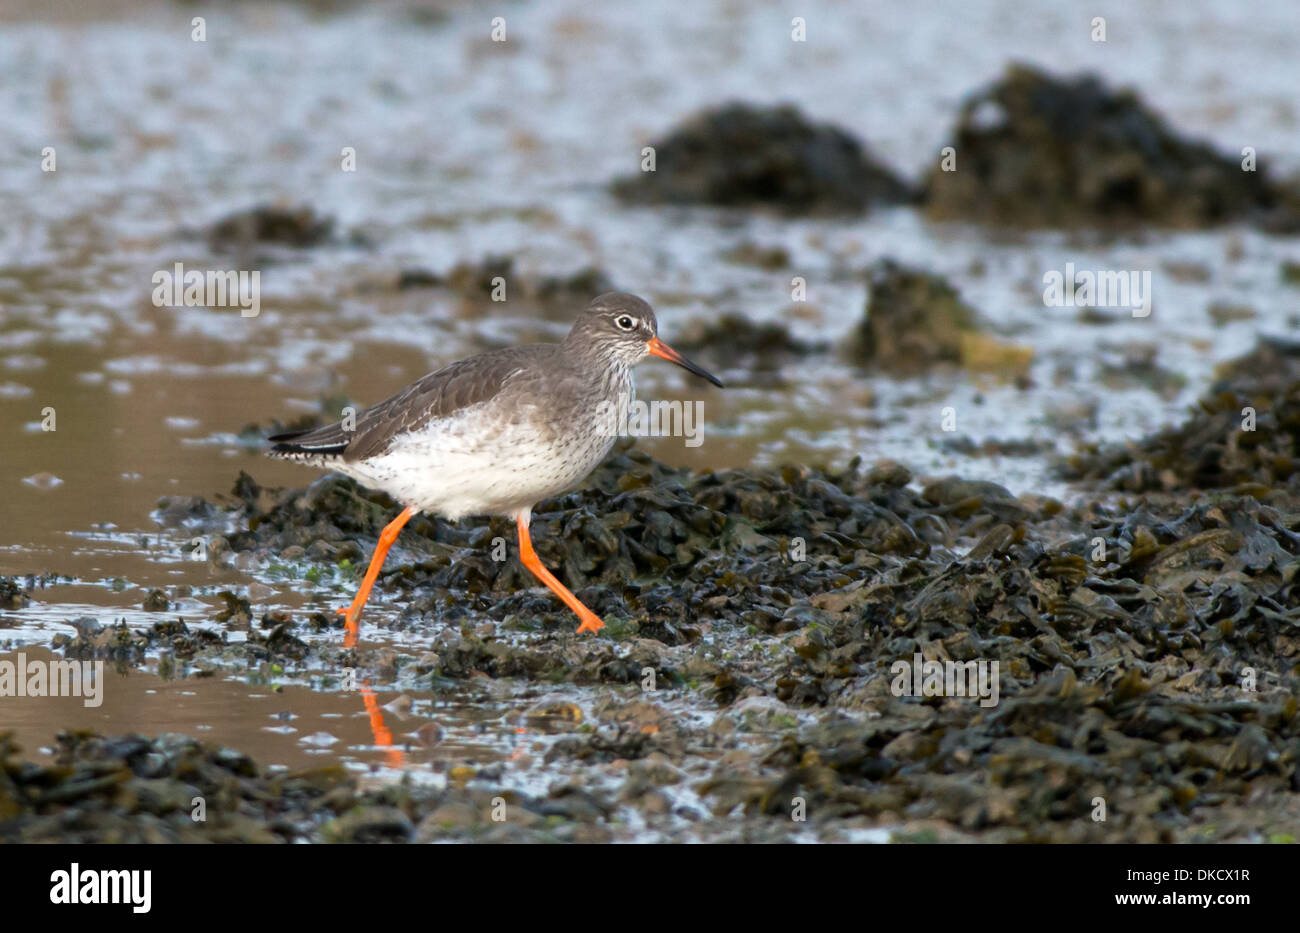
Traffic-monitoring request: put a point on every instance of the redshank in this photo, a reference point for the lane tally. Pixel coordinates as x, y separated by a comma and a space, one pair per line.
496, 433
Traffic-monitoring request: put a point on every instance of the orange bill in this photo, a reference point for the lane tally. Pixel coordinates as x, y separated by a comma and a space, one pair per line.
660, 349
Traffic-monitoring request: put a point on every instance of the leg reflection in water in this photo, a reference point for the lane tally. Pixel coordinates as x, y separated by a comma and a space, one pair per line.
383, 736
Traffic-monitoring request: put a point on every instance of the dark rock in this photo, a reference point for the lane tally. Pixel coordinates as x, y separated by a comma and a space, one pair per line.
731, 338
1035, 150
1245, 431
12, 595
913, 320
270, 225
744, 156
477, 280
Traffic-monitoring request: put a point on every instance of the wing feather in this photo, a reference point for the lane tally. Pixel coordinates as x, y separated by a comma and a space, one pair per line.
440, 394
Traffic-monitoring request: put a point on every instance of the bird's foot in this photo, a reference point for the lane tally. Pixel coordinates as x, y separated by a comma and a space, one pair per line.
590, 623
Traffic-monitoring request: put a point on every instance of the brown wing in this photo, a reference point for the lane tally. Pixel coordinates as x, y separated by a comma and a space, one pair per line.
437, 395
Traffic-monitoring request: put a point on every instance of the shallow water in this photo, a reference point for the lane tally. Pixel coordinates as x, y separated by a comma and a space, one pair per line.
467, 148
288, 722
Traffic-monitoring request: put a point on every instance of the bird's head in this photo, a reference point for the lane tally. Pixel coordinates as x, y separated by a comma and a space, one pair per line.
623, 327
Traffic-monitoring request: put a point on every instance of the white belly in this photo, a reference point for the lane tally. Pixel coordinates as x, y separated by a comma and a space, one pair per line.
486, 462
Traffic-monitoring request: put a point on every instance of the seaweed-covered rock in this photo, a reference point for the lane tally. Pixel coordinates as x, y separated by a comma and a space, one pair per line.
1244, 432
12, 595
270, 224
639, 539
136, 789
1036, 150
731, 338
915, 320
740, 155
479, 279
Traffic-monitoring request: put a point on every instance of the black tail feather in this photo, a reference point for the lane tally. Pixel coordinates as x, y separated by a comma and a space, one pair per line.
300, 444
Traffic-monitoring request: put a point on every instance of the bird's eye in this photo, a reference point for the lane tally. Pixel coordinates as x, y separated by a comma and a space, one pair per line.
624, 322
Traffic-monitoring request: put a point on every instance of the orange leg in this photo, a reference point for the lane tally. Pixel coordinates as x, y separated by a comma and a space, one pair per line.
590, 621
386, 539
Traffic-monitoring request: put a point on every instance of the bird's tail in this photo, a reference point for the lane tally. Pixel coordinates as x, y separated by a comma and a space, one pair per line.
319, 445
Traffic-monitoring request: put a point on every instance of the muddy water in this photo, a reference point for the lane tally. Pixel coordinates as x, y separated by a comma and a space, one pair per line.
283, 726
288, 722
467, 148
